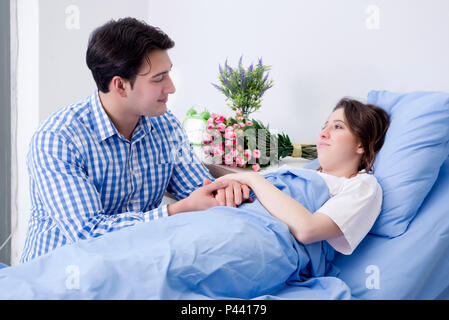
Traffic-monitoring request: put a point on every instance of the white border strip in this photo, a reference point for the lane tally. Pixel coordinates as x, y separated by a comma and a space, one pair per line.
25, 81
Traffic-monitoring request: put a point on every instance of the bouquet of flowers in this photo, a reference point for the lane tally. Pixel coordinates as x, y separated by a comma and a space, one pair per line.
222, 142
238, 141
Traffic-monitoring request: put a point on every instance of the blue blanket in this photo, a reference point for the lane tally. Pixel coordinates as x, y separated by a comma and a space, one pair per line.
219, 253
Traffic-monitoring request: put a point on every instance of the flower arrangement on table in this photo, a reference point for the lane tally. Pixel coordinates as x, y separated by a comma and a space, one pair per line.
240, 141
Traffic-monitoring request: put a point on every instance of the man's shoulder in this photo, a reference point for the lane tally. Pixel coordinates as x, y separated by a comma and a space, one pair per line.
64, 121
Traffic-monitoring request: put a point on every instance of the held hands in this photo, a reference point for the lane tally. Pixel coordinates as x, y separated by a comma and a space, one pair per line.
233, 195
201, 199
239, 185
230, 190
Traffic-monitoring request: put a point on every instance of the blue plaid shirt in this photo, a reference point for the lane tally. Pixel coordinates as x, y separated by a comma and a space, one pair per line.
87, 179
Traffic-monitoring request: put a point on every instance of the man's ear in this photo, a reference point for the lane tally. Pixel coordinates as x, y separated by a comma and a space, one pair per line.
120, 86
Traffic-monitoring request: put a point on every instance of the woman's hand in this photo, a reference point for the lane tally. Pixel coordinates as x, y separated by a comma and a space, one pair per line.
239, 187
246, 178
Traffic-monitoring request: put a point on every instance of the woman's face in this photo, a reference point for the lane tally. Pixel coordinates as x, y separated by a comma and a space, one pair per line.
337, 147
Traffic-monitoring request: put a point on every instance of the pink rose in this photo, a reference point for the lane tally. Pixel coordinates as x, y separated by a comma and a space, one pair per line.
239, 111
210, 127
230, 135
221, 127
206, 150
241, 124
219, 119
236, 125
218, 152
248, 154
213, 116
240, 161
219, 146
256, 154
249, 123
229, 143
207, 137
217, 134
255, 167
232, 153
228, 159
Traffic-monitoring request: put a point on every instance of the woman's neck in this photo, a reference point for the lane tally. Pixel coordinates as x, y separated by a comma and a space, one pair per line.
347, 173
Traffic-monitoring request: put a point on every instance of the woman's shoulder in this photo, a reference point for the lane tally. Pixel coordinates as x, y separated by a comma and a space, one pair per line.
368, 180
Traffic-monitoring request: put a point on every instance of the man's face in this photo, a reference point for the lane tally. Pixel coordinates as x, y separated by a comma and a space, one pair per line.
152, 86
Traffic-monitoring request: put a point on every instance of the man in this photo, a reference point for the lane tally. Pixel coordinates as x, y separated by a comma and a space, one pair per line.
105, 163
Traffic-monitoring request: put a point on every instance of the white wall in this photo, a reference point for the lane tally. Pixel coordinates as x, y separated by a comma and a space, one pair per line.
319, 50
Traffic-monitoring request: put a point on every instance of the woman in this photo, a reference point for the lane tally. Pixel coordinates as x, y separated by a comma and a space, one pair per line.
346, 147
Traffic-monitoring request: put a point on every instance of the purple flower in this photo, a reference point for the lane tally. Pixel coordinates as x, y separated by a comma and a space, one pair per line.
260, 62
263, 91
242, 78
218, 87
227, 66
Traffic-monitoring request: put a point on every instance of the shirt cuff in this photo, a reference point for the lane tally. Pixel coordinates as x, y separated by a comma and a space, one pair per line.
161, 212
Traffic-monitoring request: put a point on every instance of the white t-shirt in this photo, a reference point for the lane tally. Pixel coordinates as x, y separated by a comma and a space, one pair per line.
354, 205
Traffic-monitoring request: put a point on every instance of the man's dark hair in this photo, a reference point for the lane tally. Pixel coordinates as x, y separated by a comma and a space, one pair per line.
118, 48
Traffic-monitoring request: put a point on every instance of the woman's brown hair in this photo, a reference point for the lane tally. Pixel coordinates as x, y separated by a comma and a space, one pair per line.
369, 124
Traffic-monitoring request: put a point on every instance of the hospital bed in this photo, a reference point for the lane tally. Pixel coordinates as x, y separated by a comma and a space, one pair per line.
411, 263
406, 254
414, 265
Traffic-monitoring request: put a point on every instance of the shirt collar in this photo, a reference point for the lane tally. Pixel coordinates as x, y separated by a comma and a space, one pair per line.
103, 125
146, 121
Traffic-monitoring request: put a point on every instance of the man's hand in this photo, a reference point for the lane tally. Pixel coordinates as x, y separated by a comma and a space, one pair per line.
201, 199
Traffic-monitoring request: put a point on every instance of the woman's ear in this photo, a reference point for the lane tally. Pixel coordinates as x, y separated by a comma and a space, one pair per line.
360, 149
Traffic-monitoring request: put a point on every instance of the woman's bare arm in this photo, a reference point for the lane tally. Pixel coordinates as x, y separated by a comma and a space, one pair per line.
305, 226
